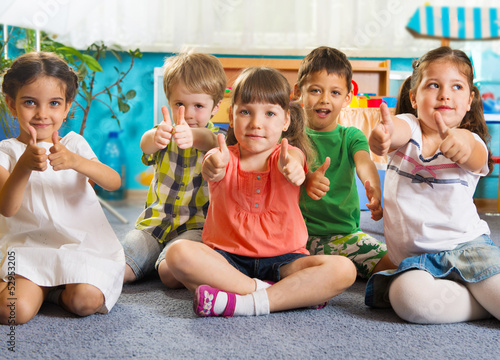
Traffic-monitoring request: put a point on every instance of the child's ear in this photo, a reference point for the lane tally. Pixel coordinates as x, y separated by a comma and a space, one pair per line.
348, 99
216, 108
413, 99
296, 92
68, 106
11, 104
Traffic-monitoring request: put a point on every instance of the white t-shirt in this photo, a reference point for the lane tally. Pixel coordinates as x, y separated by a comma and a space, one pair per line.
428, 203
60, 234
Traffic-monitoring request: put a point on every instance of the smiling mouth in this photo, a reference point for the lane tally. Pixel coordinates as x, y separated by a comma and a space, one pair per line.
322, 112
254, 136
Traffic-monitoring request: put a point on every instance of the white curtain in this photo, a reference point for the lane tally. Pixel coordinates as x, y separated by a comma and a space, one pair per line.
364, 28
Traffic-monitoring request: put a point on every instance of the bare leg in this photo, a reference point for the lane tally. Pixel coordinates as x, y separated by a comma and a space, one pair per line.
487, 293
129, 275
166, 276
20, 300
416, 296
82, 299
194, 264
384, 264
310, 281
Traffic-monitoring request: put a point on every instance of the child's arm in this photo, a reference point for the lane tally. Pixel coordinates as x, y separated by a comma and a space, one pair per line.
368, 174
14, 184
215, 163
460, 146
291, 164
391, 133
61, 158
317, 184
159, 137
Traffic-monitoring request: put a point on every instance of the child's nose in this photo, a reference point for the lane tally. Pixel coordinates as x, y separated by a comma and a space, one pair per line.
444, 94
42, 111
255, 122
324, 98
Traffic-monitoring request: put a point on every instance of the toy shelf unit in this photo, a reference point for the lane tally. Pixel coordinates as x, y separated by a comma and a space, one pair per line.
372, 76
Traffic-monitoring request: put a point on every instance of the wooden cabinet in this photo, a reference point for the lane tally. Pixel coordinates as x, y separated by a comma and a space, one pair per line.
372, 76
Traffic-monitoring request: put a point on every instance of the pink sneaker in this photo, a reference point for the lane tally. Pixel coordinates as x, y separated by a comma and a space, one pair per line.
320, 306
204, 300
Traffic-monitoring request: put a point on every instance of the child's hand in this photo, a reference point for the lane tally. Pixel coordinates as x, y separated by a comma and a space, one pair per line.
380, 137
34, 157
163, 133
289, 166
214, 165
317, 184
457, 145
60, 157
183, 135
374, 204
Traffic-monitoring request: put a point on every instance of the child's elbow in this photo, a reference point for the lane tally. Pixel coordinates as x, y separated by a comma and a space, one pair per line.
8, 211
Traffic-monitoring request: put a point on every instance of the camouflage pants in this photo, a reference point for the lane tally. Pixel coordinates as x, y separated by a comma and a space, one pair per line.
364, 250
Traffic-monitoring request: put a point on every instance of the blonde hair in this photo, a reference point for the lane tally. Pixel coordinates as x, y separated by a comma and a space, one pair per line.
268, 85
200, 73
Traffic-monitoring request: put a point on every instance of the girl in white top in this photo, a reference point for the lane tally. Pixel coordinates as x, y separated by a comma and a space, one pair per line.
448, 266
55, 240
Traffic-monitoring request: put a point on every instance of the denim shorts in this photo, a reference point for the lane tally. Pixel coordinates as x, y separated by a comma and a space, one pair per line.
143, 253
267, 268
469, 262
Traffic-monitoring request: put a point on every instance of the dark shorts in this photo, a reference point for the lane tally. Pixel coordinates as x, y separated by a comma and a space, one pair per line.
267, 268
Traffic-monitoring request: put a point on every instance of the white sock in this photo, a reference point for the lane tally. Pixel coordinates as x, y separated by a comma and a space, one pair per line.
259, 284
256, 303
261, 302
220, 302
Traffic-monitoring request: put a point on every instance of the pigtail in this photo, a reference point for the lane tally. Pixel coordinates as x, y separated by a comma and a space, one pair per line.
296, 133
474, 122
230, 137
403, 105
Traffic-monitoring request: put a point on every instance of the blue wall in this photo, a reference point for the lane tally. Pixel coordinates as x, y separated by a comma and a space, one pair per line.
133, 123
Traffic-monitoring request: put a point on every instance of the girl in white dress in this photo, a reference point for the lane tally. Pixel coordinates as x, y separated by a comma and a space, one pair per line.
55, 240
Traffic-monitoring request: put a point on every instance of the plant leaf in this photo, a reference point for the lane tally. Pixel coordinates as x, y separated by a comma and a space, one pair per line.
92, 63
130, 94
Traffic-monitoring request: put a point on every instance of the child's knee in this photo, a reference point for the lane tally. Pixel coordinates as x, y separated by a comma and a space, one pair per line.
16, 312
342, 267
179, 255
83, 299
166, 276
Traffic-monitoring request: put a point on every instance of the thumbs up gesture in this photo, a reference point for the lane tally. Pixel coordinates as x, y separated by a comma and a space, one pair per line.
374, 204
457, 144
380, 137
289, 166
60, 157
163, 133
183, 135
34, 157
317, 184
215, 163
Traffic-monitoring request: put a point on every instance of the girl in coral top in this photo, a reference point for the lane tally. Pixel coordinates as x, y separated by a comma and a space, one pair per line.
253, 259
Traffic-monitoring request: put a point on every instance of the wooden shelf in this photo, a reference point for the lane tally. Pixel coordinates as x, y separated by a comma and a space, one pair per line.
372, 76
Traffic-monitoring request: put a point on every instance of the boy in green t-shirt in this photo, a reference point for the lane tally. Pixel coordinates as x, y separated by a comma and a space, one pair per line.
332, 214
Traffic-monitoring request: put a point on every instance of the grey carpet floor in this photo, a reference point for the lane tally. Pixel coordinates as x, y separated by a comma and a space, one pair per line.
152, 322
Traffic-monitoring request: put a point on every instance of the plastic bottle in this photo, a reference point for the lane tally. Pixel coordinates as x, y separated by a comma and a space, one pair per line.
113, 155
